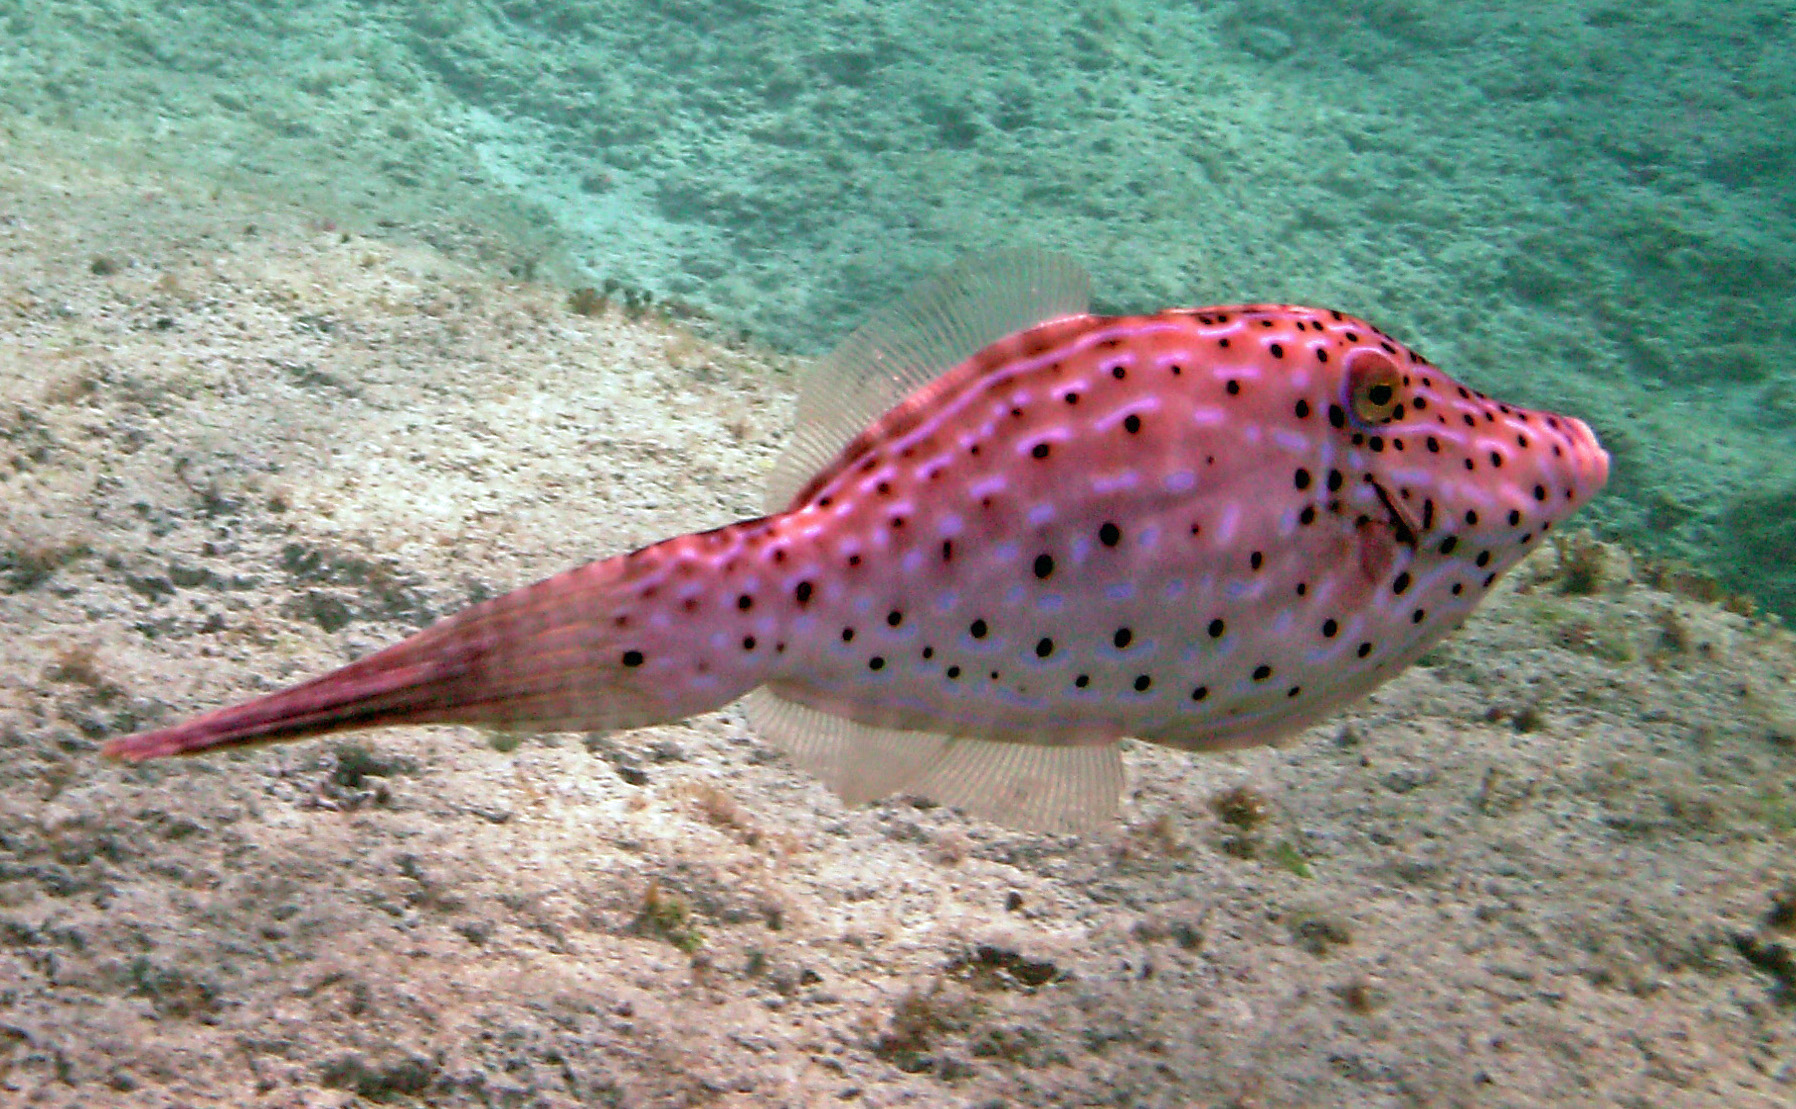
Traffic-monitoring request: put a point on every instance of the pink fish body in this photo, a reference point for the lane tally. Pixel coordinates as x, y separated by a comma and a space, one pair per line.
1202, 528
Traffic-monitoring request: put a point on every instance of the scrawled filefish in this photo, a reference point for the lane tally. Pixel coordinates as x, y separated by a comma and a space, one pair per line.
1007, 533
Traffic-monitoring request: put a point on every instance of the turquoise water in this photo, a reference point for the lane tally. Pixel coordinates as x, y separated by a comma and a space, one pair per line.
1585, 206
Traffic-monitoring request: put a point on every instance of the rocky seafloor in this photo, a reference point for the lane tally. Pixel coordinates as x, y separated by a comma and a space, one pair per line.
240, 445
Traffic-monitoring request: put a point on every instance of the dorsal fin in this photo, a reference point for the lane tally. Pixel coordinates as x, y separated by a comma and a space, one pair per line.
938, 325
1035, 787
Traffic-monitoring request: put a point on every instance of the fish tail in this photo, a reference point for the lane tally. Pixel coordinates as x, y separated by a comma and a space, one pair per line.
575, 652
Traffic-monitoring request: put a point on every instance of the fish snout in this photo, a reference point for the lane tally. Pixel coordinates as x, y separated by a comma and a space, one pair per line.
1589, 461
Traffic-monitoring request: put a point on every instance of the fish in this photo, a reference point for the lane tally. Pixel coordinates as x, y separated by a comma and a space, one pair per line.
1006, 534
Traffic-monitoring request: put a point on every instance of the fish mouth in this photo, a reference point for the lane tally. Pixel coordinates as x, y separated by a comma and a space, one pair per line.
1589, 457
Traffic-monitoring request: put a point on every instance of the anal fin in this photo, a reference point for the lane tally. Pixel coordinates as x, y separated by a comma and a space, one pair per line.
1033, 787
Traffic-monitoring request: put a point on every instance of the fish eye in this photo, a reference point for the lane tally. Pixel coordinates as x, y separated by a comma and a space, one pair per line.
1373, 385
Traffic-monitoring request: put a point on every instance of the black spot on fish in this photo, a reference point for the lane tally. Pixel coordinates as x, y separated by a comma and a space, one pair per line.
1217, 628
1329, 628
1044, 565
745, 602
848, 635
1364, 650
1122, 638
1040, 450
1200, 693
953, 672
632, 658
1256, 559
1082, 680
1303, 406
748, 643
1044, 647
978, 629
1132, 424
1401, 585
1142, 681
1234, 388
876, 663
1109, 534
1301, 479
1262, 672
894, 618
1448, 544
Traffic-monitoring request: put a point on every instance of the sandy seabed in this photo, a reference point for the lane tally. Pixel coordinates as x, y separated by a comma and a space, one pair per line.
239, 445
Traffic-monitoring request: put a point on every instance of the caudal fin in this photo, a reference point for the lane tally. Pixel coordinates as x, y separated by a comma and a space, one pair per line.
576, 652
408, 683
